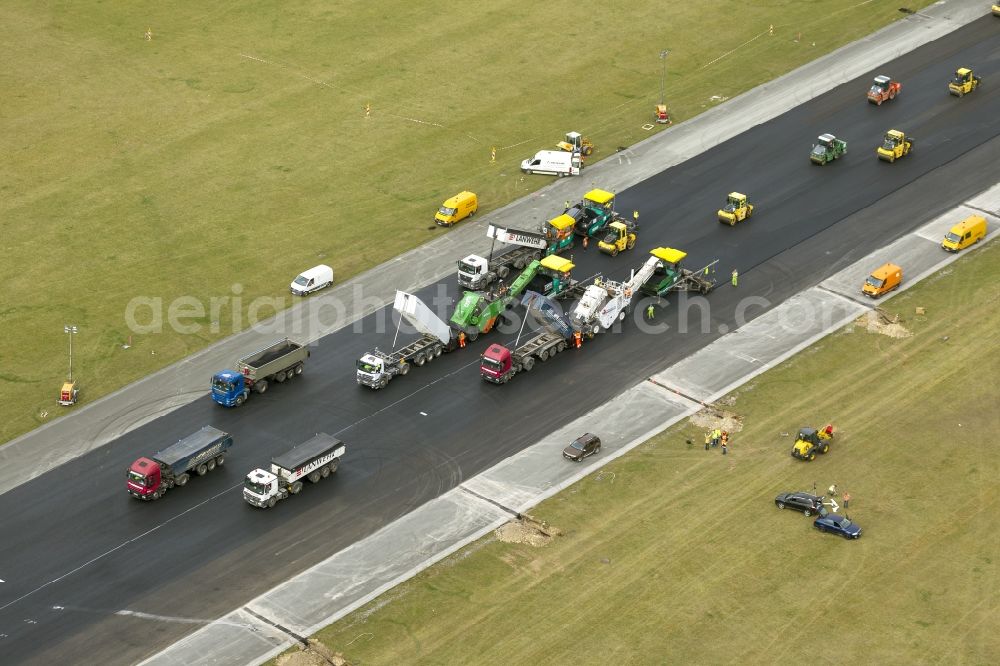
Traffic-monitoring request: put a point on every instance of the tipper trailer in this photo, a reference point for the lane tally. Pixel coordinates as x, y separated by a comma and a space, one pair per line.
376, 368
200, 453
499, 363
477, 273
277, 362
314, 459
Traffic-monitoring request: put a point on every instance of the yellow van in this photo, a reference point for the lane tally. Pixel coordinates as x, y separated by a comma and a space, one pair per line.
970, 230
457, 208
883, 279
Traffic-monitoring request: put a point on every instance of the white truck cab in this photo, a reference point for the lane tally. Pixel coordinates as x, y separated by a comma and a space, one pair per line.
472, 271
371, 370
259, 487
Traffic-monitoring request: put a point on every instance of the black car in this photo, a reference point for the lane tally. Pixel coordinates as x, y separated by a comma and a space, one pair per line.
804, 502
583, 446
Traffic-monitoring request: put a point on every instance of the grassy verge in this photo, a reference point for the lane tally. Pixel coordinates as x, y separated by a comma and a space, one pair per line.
232, 148
672, 554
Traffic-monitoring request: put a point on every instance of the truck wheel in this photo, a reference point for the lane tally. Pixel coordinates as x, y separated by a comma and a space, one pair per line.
807, 513
324, 471
211, 465
878, 101
543, 355
560, 347
631, 243
419, 360
202, 469
405, 369
271, 502
614, 251
182, 480
892, 94
296, 488
156, 494
621, 316
536, 255
474, 335
382, 383
826, 448
315, 476
260, 386
438, 350
240, 400
220, 460
519, 263
503, 272
812, 456
280, 377
297, 369
595, 330
529, 363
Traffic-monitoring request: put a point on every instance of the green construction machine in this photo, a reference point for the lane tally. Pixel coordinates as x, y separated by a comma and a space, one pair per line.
478, 312
559, 234
592, 215
827, 149
669, 276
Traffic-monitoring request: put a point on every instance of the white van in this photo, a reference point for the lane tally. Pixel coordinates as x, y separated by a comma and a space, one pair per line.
315, 278
553, 163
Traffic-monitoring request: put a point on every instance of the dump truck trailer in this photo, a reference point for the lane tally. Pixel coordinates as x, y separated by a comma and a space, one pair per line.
477, 273
314, 459
277, 362
149, 478
376, 368
499, 363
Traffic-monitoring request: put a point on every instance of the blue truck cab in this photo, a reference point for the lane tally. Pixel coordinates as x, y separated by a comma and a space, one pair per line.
229, 389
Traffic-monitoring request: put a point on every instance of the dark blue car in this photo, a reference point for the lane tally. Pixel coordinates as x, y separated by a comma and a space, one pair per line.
840, 525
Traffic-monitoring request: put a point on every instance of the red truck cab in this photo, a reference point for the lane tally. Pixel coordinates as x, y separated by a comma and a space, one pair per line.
495, 365
143, 478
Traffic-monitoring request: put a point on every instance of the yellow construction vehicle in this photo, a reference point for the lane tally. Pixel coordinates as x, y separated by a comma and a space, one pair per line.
621, 236
963, 82
576, 143
811, 441
736, 209
895, 145
69, 393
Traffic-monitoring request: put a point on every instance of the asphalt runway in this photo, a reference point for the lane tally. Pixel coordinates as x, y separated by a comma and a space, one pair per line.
88, 570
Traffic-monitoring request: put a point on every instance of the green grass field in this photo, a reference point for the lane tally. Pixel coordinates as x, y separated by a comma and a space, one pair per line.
675, 555
232, 147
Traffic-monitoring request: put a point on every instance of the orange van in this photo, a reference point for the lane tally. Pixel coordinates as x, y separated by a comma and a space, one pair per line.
883, 279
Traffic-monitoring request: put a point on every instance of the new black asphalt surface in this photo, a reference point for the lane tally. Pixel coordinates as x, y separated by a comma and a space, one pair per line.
85, 566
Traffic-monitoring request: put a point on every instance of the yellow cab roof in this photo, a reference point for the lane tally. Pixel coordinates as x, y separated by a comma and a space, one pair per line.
599, 196
68, 386
556, 263
962, 71
668, 254
562, 222
894, 133
661, 107
737, 195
